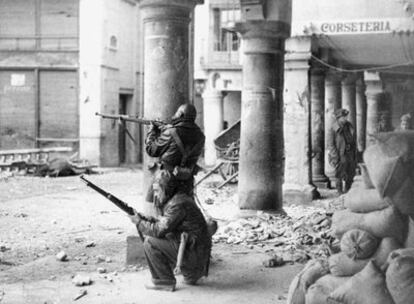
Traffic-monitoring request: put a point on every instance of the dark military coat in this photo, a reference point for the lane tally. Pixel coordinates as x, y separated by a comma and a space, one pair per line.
342, 148
162, 144
181, 214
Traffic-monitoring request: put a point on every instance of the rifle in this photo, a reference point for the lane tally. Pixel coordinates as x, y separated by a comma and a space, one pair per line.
136, 119
120, 204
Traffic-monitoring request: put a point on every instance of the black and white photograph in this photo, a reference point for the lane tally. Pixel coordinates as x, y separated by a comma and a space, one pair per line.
207, 151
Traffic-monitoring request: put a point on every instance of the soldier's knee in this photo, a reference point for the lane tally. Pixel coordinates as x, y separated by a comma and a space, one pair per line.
148, 244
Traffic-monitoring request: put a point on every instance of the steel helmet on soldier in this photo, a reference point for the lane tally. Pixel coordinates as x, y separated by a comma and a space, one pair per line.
186, 111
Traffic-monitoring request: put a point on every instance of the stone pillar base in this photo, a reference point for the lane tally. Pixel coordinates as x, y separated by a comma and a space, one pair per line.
135, 250
300, 195
322, 182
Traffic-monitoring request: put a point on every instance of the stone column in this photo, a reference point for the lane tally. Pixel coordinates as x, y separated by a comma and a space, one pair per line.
333, 102
361, 115
317, 96
374, 95
213, 122
261, 142
166, 53
298, 186
349, 96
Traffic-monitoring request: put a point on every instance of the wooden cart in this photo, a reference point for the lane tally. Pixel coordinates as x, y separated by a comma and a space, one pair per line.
227, 145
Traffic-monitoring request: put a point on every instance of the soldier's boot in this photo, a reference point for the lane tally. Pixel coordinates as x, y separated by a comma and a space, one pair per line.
158, 285
338, 185
348, 185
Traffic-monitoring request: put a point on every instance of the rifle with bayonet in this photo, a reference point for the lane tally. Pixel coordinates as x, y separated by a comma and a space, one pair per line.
134, 118
119, 203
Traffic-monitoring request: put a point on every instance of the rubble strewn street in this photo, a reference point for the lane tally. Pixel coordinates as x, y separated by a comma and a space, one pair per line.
300, 235
62, 215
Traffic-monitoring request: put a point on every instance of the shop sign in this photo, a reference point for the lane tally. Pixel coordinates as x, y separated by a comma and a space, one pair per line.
17, 80
347, 27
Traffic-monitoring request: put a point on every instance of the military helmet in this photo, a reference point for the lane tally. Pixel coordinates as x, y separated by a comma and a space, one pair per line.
341, 113
186, 111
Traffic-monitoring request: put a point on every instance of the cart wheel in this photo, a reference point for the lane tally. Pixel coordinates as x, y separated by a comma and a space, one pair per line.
228, 170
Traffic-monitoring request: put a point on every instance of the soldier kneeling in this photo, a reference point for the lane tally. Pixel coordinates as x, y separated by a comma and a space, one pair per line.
164, 241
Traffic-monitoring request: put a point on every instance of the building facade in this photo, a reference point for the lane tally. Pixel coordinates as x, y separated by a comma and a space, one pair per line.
110, 77
60, 62
351, 54
39, 70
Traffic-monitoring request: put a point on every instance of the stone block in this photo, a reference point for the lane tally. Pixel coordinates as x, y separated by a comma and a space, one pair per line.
135, 250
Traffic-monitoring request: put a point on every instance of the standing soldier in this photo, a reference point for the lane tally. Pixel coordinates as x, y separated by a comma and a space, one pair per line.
342, 150
405, 122
178, 146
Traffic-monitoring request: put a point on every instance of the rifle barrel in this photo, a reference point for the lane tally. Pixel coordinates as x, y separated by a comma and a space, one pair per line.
131, 118
120, 204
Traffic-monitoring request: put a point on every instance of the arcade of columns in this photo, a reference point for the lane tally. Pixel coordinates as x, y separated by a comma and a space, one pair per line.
166, 80
361, 94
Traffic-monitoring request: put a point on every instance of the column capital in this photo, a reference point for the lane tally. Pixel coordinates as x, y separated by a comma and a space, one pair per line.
318, 71
180, 3
349, 79
158, 10
333, 77
211, 93
360, 85
297, 61
263, 36
374, 85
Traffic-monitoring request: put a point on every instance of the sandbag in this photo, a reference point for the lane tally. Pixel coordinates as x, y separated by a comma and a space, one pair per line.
358, 244
403, 197
318, 293
312, 271
364, 200
400, 276
341, 265
409, 241
366, 287
365, 177
390, 160
388, 222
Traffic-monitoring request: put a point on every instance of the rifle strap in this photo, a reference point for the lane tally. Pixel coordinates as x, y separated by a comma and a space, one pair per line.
180, 145
122, 123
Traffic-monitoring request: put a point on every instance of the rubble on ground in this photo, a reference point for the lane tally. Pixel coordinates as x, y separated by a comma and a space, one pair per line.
302, 234
62, 256
80, 280
82, 293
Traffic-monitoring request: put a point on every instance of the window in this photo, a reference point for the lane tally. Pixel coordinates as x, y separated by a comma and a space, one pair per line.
42, 24
225, 40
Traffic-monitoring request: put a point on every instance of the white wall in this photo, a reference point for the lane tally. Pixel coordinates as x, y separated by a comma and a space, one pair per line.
90, 58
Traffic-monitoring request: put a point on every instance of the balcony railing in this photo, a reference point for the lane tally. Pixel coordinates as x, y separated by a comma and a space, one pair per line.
44, 43
224, 59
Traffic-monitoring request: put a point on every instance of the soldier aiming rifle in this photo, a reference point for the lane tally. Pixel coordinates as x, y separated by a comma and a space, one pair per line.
179, 237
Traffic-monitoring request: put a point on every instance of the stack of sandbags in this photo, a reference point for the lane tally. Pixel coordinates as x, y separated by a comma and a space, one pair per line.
393, 284
377, 222
390, 164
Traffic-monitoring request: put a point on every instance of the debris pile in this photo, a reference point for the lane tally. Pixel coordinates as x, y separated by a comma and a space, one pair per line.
81, 280
302, 234
39, 163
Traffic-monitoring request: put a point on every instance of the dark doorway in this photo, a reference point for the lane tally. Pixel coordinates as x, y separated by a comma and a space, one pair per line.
124, 107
